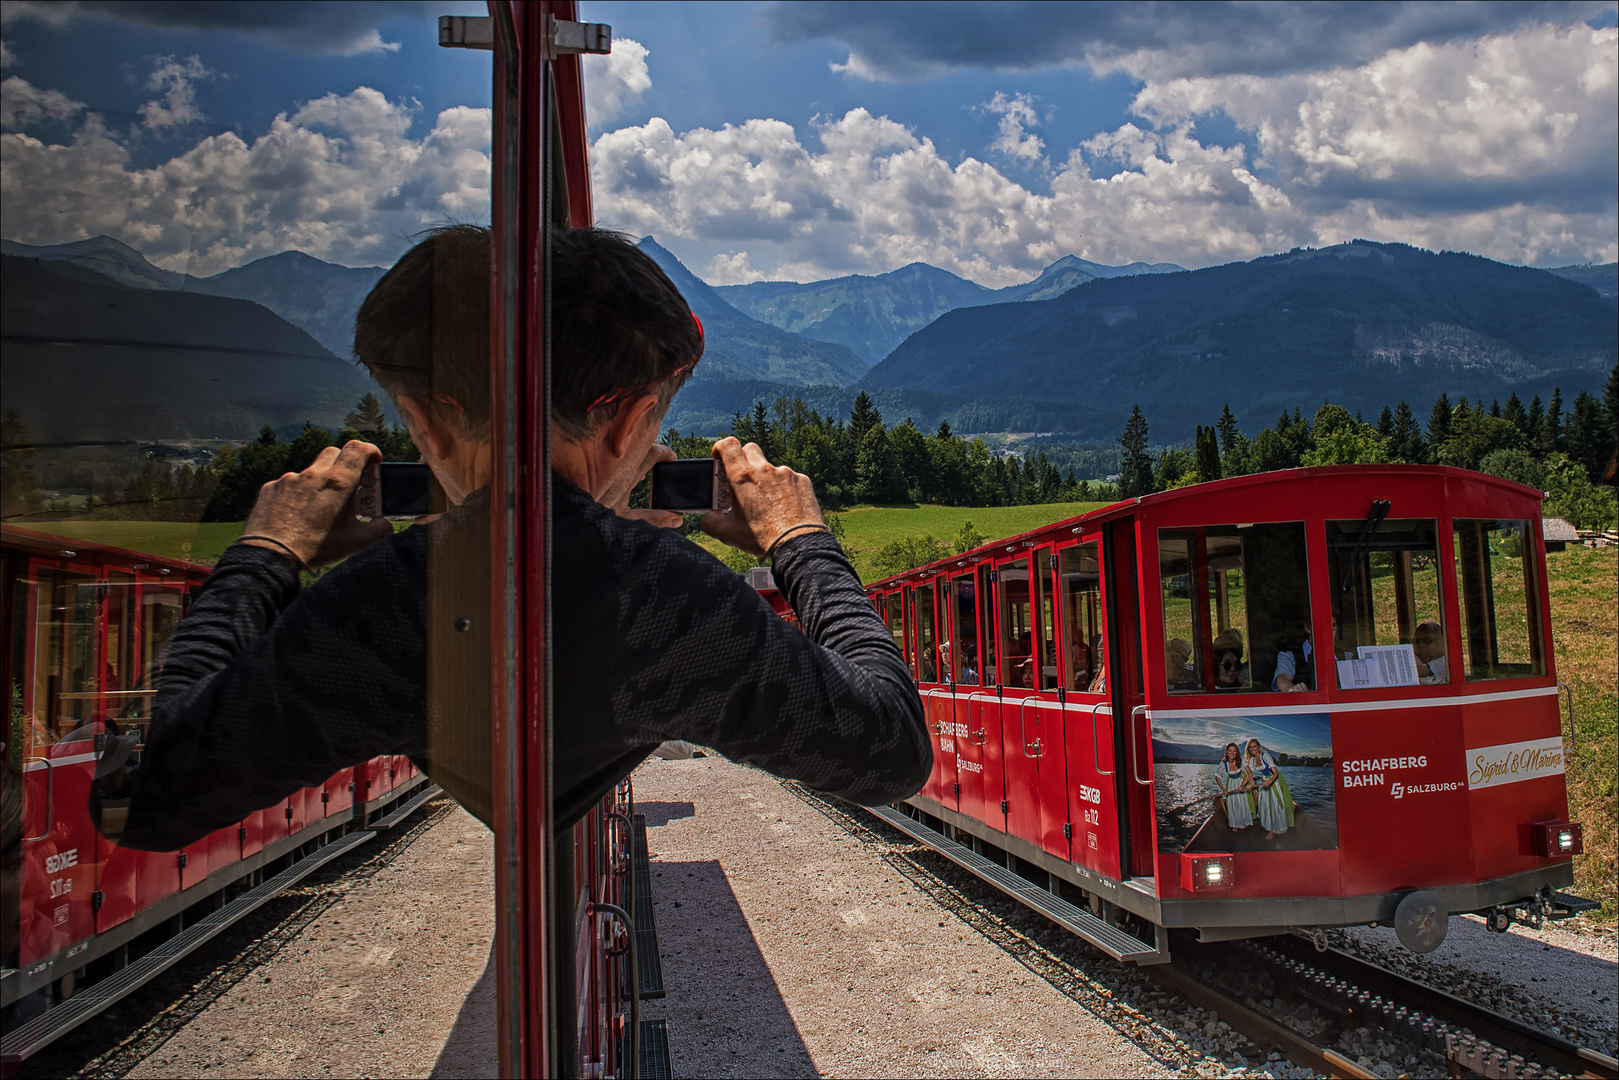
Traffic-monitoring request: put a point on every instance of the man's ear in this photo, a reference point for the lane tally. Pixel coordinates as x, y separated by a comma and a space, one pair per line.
635, 414
427, 431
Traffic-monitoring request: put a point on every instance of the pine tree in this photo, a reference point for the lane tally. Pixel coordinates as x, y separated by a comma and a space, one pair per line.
863, 417
1534, 421
267, 435
1514, 414
1551, 433
367, 418
19, 486
1227, 427
1385, 423
1408, 444
1587, 442
1135, 464
1610, 405
1439, 423
1207, 450
1495, 409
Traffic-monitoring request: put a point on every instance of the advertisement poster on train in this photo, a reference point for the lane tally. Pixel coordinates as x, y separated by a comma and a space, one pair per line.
1241, 783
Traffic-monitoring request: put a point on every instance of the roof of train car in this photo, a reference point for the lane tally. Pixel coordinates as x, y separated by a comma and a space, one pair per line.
55, 546
1213, 487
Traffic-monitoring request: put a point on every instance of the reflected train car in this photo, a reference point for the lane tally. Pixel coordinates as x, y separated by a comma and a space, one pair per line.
1305, 699
150, 367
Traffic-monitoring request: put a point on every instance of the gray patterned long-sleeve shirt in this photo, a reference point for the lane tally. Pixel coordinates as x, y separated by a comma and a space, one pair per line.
267, 688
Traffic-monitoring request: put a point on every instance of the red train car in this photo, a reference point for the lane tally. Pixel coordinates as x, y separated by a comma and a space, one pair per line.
1312, 698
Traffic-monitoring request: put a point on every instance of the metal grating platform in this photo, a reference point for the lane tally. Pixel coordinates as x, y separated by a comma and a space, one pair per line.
649, 965
408, 808
655, 1063
1110, 939
23, 1041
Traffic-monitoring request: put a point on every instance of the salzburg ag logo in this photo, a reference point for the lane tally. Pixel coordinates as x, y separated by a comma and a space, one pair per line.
1398, 790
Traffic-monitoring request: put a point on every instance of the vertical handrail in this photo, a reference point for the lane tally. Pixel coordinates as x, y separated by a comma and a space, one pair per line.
973, 736
1023, 730
1573, 740
1135, 759
50, 799
1096, 754
632, 1037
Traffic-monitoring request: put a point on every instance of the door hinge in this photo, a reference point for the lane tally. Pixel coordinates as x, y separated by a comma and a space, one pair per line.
1062, 696
183, 860
97, 898
958, 790
1068, 830
1051, 563
1003, 806
326, 796
241, 834
289, 813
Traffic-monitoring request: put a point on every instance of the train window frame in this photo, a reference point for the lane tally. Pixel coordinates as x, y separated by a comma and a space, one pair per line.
927, 655
1096, 657
988, 669
959, 640
1479, 602
1007, 610
1217, 603
1377, 663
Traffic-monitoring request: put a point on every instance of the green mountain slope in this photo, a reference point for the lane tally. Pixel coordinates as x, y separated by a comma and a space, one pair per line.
1362, 324
320, 297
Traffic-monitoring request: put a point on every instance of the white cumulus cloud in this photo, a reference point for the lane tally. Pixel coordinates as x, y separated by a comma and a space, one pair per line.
1014, 139
615, 81
178, 105
340, 178
23, 104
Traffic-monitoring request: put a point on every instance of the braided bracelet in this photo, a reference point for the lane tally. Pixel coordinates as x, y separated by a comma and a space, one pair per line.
282, 544
771, 550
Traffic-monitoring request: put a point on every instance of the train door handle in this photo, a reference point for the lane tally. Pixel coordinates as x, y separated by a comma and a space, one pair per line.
1135, 758
1096, 754
974, 737
50, 800
1035, 749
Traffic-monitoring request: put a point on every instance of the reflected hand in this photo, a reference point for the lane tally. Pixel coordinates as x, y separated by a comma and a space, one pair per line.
667, 519
766, 500
313, 512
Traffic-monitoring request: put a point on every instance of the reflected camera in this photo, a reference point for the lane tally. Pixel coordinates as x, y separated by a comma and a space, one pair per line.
690, 485
395, 489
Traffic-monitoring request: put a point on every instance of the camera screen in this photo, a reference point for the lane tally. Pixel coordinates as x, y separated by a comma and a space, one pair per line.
687, 484
405, 487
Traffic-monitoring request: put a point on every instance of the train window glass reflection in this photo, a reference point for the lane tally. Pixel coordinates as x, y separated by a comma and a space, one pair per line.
893, 615
1084, 648
1500, 600
964, 639
1017, 625
925, 645
908, 640
1384, 587
1236, 608
1047, 629
986, 624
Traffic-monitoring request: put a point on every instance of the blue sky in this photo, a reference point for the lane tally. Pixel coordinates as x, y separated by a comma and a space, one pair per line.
774, 140
1307, 734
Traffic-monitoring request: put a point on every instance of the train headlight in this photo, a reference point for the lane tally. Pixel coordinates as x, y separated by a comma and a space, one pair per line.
1203, 873
1556, 839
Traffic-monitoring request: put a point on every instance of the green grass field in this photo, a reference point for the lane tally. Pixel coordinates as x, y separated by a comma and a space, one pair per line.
187, 541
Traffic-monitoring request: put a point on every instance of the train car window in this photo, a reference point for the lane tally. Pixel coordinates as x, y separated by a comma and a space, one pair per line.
926, 648
1084, 649
1500, 600
1236, 609
964, 633
894, 616
986, 625
1046, 629
1017, 625
908, 639
1387, 607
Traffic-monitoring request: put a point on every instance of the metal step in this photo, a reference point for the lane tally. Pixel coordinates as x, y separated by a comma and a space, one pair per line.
655, 1063
1117, 943
25, 1040
401, 813
1576, 904
649, 965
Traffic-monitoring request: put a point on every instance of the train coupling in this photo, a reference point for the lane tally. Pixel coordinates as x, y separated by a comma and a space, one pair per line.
1537, 910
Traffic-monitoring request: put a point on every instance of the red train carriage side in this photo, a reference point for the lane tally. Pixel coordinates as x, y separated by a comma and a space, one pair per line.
1312, 698
84, 630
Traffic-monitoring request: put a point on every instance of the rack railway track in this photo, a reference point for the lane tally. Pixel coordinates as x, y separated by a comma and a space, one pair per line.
1344, 990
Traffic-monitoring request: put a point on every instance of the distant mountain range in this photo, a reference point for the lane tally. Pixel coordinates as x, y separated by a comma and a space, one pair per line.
1363, 324
872, 315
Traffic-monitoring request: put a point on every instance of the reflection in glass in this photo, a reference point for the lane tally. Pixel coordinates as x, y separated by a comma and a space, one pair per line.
1500, 600
964, 617
1385, 592
1017, 624
1084, 646
926, 646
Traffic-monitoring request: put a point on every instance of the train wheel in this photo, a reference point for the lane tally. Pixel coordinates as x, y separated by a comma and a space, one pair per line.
65, 987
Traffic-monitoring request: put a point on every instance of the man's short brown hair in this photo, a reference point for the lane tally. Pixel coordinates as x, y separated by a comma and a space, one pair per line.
618, 325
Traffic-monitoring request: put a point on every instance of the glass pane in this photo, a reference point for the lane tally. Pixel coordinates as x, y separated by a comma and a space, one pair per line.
986, 621
1387, 611
893, 615
1500, 600
1047, 628
1183, 633
1276, 607
925, 644
964, 642
1017, 625
1084, 644
908, 642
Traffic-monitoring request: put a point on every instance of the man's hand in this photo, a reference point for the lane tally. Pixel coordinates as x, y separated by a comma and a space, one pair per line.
666, 519
766, 500
313, 512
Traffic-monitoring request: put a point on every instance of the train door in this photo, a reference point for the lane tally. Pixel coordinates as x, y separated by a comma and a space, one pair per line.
1126, 693
1021, 748
966, 671
1047, 712
937, 702
984, 725
1088, 716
